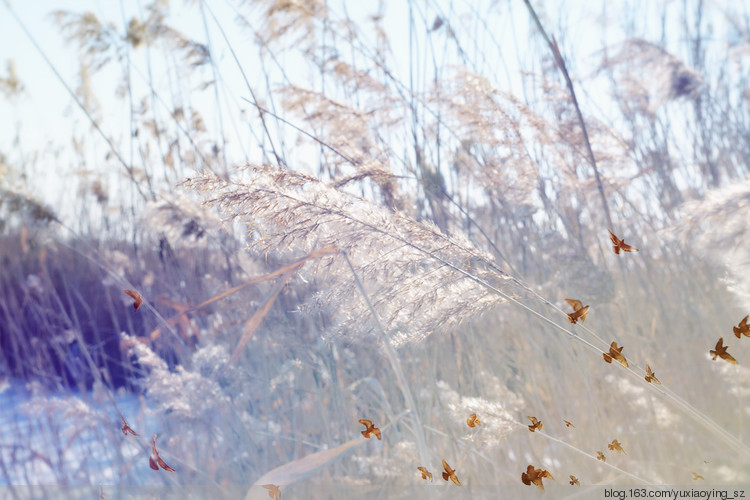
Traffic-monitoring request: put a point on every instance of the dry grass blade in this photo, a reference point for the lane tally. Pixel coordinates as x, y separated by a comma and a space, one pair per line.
582, 123
303, 467
181, 317
274, 274
253, 323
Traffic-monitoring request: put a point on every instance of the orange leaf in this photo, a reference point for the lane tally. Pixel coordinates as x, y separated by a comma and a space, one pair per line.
137, 300
254, 322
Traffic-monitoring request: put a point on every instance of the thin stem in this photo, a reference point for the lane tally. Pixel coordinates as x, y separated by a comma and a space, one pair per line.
279, 157
396, 365
561, 64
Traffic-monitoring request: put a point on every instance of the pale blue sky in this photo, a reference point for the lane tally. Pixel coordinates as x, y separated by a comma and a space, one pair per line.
499, 42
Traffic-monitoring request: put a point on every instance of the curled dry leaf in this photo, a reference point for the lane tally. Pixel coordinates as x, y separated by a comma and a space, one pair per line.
425, 473
651, 376
273, 491
369, 429
450, 474
155, 461
137, 299
721, 351
616, 446
620, 244
534, 476
473, 420
126, 428
742, 328
579, 311
535, 424
616, 354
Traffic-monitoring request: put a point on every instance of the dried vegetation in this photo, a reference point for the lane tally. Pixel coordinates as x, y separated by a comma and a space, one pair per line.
390, 237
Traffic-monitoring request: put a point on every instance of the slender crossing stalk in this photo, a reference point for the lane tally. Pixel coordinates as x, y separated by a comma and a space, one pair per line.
396, 365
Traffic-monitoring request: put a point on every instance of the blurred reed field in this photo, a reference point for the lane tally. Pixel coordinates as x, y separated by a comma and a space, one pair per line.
336, 212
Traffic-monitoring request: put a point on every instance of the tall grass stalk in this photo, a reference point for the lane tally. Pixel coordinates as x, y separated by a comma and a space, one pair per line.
396, 366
